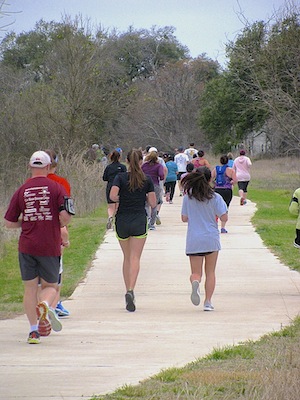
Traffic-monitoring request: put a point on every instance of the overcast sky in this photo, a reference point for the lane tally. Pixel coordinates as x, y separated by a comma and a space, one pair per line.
204, 26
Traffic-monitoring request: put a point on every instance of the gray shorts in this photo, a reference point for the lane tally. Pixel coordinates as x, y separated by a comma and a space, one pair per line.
47, 268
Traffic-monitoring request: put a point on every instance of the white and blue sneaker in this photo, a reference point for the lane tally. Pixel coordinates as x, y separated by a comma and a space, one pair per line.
208, 306
61, 311
55, 322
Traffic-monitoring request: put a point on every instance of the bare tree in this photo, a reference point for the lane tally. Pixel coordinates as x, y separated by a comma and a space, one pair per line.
166, 108
6, 14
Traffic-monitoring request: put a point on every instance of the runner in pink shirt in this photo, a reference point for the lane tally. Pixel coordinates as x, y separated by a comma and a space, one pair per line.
241, 167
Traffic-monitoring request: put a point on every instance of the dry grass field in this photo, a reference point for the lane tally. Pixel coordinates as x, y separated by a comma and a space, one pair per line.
280, 173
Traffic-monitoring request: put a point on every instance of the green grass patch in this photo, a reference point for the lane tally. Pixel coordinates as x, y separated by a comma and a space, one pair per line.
228, 352
86, 234
11, 288
275, 225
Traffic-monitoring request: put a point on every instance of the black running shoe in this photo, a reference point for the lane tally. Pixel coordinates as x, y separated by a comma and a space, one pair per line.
129, 298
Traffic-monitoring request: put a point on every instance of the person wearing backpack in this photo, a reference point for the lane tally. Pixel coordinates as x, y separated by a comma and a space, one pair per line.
224, 178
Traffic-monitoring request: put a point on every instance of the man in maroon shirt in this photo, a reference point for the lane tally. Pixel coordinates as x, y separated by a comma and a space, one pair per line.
37, 207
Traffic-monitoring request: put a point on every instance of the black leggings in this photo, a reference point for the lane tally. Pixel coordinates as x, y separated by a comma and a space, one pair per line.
226, 194
170, 187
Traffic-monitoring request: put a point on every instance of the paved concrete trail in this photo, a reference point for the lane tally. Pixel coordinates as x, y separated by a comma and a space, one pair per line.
102, 346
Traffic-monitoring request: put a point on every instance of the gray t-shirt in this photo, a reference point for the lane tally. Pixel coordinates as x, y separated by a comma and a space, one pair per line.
202, 233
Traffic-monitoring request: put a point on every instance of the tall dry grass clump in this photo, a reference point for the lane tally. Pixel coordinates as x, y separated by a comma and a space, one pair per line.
87, 186
85, 179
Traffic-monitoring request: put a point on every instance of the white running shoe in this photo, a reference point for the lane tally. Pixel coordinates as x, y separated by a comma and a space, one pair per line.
55, 322
195, 296
208, 306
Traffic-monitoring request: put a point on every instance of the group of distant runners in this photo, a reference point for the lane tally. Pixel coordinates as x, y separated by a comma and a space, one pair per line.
135, 196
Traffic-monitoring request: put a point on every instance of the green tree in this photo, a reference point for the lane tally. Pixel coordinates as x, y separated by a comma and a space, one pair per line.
278, 82
217, 113
264, 64
142, 52
29, 50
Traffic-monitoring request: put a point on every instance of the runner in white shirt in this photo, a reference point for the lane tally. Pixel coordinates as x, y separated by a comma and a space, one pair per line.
181, 159
191, 151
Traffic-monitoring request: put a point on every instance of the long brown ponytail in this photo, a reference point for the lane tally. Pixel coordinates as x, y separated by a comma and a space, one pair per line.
136, 175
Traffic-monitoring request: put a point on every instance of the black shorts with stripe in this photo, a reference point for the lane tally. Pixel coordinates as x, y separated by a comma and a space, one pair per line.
128, 225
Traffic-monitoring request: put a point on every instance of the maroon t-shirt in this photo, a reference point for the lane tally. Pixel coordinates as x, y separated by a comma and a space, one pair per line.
38, 200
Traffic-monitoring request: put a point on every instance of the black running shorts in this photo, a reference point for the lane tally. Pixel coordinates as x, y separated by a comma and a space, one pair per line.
243, 185
200, 254
128, 225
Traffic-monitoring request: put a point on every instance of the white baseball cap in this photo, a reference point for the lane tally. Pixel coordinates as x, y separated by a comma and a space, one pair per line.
40, 159
153, 149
